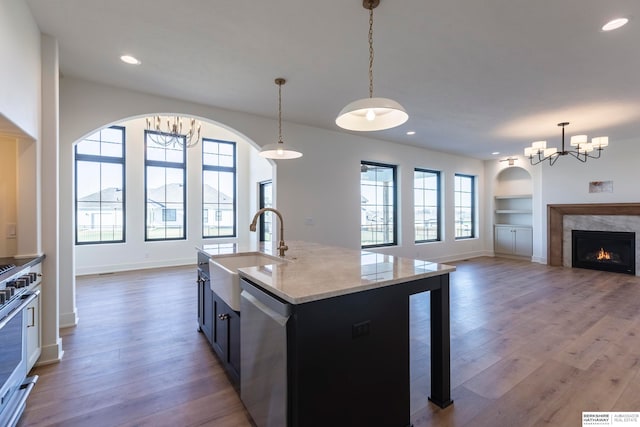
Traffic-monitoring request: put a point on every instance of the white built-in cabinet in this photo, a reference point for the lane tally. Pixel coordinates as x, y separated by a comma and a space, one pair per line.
513, 240
513, 234
513, 213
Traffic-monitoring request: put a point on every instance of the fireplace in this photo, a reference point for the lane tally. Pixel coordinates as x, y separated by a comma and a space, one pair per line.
604, 250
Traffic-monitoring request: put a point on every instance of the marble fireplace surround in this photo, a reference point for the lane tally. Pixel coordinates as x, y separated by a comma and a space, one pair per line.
555, 224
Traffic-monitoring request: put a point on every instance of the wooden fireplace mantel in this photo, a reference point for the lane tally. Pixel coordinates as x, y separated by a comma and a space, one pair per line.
556, 213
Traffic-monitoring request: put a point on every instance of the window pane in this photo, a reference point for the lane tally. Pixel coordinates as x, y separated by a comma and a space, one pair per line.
155, 150
87, 146
464, 206
111, 135
377, 204
218, 188
266, 219
217, 196
164, 189
426, 190
99, 180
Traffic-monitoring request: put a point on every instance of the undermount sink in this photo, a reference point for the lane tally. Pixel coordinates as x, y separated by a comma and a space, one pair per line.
224, 274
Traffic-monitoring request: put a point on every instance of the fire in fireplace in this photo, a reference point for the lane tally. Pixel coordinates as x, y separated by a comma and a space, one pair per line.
604, 250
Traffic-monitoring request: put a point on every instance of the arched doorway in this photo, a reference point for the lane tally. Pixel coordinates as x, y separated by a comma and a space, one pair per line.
136, 250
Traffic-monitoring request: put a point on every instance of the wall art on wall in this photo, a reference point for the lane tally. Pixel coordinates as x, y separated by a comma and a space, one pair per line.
601, 187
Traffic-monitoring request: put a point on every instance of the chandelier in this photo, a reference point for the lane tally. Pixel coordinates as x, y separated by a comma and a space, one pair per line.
581, 149
173, 131
370, 114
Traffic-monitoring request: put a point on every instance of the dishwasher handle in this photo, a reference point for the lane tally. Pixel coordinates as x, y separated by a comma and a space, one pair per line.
266, 302
275, 316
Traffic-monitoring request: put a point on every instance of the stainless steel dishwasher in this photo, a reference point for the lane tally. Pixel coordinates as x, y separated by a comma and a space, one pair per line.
263, 356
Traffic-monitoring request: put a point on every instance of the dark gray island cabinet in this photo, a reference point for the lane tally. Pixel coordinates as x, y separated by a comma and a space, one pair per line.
334, 351
322, 335
218, 322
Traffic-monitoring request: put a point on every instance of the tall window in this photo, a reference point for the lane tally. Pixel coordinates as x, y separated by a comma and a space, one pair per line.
218, 188
465, 200
266, 219
377, 204
100, 201
165, 176
426, 205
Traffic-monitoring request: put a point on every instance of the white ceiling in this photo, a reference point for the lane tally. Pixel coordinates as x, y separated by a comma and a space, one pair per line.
475, 76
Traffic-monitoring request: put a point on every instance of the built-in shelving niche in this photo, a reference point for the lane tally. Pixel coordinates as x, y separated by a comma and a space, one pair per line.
513, 213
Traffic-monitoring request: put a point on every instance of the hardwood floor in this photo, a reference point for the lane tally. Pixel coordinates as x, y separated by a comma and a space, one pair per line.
135, 359
531, 345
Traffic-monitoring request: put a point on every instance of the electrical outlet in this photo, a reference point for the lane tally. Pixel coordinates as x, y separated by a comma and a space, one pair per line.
360, 329
11, 231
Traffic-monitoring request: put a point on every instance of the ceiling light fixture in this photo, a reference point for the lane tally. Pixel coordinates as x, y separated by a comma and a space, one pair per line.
371, 114
131, 60
511, 160
278, 150
173, 134
411, 132
614, 24
538, 152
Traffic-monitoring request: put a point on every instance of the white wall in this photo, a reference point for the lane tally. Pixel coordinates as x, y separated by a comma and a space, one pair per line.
20, 71
322, 185
8, 186
135, 253
323, 188
28, 114
567, 181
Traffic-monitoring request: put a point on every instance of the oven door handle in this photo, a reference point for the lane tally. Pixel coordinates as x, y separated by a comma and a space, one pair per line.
27, 300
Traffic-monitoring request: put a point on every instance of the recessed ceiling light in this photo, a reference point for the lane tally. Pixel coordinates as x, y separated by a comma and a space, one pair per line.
411, 132
614, 24
495, 153
131, 60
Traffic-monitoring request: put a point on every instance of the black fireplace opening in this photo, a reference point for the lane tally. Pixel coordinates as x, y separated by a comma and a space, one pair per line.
604, 250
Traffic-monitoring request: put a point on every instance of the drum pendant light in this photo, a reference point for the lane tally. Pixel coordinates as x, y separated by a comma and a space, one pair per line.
371, 114
278, 151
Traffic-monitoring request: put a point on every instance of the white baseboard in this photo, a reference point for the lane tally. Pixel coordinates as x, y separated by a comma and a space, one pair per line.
51, 353
68, 320
114, 268
461, 256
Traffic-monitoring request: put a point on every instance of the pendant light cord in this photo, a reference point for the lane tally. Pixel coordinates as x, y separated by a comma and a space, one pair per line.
280, 112
370, 48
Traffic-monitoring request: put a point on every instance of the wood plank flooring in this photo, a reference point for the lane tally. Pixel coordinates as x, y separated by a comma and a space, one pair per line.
531, 345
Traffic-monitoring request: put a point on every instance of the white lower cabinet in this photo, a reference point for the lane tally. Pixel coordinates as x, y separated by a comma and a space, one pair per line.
34, 346
513, 240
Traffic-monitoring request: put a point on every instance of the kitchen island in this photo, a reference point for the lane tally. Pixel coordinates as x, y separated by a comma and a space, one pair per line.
347, 333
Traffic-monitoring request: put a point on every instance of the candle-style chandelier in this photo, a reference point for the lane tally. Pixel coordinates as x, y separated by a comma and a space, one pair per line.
581, 149
173, 131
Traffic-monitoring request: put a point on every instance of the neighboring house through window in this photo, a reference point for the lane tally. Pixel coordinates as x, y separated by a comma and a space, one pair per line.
465, 201
378, 203
426, 201
165, 195
218, 188
100, 187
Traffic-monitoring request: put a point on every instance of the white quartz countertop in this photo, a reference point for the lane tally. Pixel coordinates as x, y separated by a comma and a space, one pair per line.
313, 272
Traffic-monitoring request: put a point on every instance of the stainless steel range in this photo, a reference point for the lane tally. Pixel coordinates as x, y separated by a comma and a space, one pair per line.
15, 387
